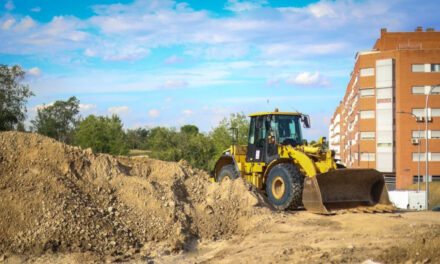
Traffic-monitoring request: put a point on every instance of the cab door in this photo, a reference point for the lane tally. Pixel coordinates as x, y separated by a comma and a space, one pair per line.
256, 151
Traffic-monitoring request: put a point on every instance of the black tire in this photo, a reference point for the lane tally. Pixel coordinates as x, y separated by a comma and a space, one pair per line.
284, 186
227, 172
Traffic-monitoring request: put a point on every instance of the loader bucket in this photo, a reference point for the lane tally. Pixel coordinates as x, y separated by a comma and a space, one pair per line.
345, 189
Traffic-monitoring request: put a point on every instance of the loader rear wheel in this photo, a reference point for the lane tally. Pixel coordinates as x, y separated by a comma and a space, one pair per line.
228, 172
284, 186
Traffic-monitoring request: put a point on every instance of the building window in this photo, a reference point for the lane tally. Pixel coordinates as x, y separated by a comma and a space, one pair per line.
418, 68
418, 90
365, 156
432, 156
385, 93
435, 134
422, 178
367, 114
432, 112
367, 92
425, 89
435, 156
435, 67
367, 135
431, 134
367, 72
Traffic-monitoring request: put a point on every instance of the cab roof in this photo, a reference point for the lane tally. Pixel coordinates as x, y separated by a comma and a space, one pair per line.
275, 113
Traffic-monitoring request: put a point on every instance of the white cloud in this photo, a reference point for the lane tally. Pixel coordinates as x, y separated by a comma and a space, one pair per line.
128, 54
153, 113
35, 72
273, 82
25, 24
175, 84
222, 52
36, 9
322, 8
187, 112
240, 6
119, 109
9, 5
86, 107
304, 78
34, 109
174, 59
128, 32
168, 99
8, 24
65, 28
90, 53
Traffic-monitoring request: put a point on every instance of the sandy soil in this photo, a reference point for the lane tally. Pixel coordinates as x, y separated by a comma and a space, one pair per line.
302, 237
62, 204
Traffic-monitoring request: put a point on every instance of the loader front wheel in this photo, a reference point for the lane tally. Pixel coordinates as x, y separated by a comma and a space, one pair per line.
228, 172
284, 186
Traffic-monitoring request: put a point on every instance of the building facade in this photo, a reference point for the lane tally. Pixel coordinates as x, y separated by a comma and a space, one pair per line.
378, 122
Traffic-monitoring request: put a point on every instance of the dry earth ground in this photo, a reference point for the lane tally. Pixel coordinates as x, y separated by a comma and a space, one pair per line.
62, 204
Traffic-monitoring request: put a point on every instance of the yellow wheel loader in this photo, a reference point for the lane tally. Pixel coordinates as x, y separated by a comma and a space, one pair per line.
293, 173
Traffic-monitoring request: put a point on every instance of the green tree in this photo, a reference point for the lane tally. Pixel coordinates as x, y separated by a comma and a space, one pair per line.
20, 127
189, 129
102, 134
58, 120
188, 144
222, 134
137, 138
13, 96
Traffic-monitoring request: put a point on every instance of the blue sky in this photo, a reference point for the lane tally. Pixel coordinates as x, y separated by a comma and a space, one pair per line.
170, 63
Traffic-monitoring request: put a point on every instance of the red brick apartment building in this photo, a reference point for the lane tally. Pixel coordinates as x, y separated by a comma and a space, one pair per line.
368, 129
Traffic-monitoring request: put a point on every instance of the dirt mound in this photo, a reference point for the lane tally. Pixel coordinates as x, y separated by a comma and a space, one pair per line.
55, 197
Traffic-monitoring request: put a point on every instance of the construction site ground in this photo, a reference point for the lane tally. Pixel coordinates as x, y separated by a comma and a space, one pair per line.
63, 204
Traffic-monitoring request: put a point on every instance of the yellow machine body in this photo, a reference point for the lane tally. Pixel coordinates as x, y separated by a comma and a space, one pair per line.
326, 188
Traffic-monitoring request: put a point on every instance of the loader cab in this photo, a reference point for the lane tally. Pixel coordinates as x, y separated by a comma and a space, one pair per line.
269, 129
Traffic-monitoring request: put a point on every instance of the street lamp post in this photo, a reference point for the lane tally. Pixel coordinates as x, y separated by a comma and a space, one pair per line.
426, 145
418, 147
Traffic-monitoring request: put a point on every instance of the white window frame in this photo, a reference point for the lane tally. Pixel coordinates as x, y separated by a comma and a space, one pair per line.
435, 67
368, 135
368, 114
418, 67
418, 90
366, 72
432, 156
368, 156
432, 112
367, 92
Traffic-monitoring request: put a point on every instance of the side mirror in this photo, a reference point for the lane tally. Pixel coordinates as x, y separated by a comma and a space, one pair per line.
306, 121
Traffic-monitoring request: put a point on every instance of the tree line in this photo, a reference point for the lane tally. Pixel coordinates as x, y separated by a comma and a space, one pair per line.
61, 120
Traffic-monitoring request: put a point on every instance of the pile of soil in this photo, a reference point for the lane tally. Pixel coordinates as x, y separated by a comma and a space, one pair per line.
59, 198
